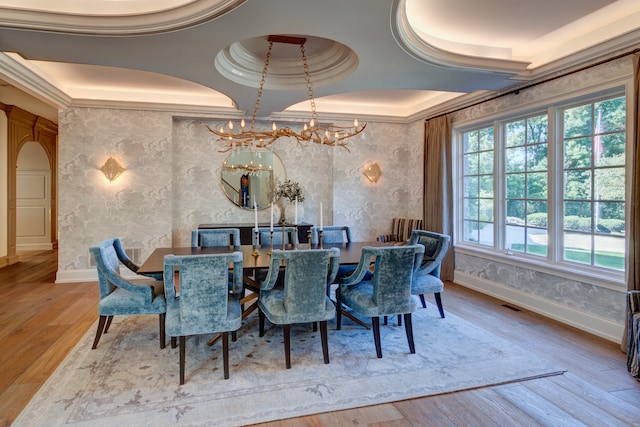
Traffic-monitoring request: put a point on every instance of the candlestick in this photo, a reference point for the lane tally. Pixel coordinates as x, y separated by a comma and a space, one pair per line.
271, 219
320, 238
255, 214
295, 236
270, 251
320, 216
255, 252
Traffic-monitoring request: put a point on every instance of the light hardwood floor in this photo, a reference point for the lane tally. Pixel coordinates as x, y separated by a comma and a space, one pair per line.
40, 322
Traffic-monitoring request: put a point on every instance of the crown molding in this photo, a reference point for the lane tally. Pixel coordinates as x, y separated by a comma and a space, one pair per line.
26, 80
418, 48
184, 16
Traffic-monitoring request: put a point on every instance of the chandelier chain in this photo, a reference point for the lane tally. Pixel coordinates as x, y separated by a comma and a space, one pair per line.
256, 106
307, 77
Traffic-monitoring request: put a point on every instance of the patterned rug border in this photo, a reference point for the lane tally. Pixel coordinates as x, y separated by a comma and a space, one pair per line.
307, 394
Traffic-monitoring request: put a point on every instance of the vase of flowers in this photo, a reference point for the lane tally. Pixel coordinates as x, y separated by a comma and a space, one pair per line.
287, 193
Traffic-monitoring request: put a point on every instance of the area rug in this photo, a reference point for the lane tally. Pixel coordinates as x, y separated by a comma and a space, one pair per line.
128, 380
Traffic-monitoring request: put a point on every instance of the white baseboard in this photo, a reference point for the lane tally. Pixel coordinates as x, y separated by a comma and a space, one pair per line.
34, 247
587, 322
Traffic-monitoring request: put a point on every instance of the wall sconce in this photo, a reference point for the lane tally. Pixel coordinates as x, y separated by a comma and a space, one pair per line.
111, 169
373, 173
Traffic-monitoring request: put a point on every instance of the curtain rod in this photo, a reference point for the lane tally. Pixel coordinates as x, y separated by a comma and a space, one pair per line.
517, 90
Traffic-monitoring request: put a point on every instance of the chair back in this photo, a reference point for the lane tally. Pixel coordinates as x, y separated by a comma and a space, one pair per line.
215, 237
203, 289
264, 236
107, 264
332, 234
435, 245
392, 275
307, 274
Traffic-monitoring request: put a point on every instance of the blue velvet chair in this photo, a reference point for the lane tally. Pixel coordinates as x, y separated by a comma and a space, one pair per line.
331, 234
215, 237
307, 273
264, 236
204, 304
426, 279
120, 296
633, 333
387, 293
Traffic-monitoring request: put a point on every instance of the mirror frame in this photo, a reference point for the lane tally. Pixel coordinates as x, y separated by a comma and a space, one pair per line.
262, 168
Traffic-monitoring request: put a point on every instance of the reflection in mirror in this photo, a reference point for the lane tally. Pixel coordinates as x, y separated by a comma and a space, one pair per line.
250, 175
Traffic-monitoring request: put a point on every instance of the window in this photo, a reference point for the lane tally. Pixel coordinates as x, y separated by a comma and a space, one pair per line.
478, 186
548, 186
594, 183
526, 177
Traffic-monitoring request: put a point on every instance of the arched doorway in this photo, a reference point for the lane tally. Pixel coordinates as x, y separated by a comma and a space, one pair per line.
33, 199
24, 127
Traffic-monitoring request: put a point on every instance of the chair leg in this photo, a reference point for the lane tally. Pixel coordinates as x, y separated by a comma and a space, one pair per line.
439, 303
338, 308
101, 321
424, 303
399, 320
287, 345
162, 333
325, 341
174, 343
234, 336
385, 320
106, 328
408, 327
375, 323
225, 354
183, 343
261, 322
315, 326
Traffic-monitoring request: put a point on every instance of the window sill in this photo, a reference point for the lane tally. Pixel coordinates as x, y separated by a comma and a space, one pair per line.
581, 273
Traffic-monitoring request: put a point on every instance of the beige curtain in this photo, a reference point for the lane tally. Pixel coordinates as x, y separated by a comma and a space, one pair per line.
438, 187
633, 240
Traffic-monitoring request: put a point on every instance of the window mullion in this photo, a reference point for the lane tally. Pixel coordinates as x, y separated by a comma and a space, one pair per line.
555, 193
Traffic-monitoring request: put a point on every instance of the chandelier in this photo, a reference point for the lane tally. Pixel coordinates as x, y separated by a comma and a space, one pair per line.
314, 132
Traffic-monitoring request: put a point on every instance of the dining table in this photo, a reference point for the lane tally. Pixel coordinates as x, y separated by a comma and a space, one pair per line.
255, 258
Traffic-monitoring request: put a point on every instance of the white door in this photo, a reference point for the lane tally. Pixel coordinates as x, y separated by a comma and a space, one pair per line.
33, 201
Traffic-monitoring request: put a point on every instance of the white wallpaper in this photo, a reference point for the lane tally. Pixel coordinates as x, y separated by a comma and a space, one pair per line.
172, 180
137, 207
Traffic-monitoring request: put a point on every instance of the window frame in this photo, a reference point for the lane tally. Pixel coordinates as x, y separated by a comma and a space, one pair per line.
552, 263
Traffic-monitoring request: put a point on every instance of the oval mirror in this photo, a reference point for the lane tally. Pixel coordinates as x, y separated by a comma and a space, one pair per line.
250, 175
